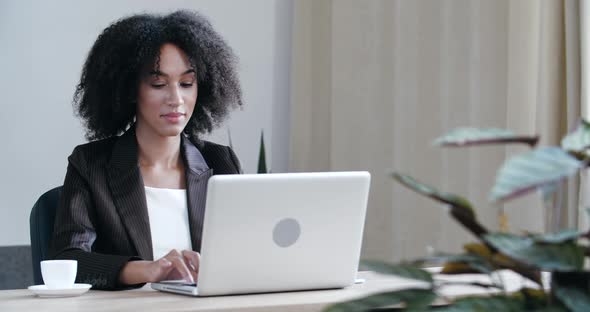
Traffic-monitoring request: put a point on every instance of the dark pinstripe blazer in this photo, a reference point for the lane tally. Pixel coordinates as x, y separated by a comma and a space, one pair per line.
102, 219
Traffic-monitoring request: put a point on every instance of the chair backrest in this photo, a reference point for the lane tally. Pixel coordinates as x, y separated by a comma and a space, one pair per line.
41, 223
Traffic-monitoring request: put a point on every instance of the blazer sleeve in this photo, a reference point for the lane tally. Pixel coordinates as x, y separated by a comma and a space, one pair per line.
74, 231
235, 160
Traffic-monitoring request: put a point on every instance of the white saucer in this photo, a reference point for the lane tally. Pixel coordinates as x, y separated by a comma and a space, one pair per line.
43, 291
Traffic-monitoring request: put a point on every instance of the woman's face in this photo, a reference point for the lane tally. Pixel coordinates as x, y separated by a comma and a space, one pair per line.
167, 96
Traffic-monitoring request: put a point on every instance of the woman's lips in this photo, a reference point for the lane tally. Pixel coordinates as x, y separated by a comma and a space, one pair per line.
173, 117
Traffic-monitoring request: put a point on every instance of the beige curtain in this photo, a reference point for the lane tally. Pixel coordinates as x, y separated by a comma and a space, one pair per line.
544, 92
374, 82
584, 9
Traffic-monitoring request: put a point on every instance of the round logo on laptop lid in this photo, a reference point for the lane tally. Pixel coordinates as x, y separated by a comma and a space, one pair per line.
286, 232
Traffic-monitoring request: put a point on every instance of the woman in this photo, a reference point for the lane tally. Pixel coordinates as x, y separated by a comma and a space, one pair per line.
133, 200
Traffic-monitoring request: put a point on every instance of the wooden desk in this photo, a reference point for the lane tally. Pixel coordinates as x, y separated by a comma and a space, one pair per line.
146, 299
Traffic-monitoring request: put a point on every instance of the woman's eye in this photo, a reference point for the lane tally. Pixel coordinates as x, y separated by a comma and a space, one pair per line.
158, 85
186, 84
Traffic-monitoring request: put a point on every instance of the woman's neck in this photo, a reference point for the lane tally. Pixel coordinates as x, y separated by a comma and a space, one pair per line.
158, 151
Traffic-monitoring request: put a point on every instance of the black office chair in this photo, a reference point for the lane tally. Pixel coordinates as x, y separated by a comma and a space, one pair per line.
41, 222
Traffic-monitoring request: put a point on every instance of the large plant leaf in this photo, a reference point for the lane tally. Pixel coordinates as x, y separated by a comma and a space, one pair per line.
445, 257
534, 299
497, 303
461, 208
578, 141
414, 299
478, 249
451, 199
491, 303
481, 258
402, 270
485, 257
552, 308
575, 299
478, 136
455, 268
560, 257
473, 262
492, 260
529, 171
559, 237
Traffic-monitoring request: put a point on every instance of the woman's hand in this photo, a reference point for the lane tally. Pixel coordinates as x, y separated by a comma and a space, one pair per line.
174, 265
185, 265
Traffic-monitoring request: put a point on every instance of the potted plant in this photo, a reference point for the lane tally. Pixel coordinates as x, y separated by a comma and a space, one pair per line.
561, 252
261, 152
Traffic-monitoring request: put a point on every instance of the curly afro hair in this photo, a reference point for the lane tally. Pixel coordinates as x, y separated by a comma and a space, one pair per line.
105, 98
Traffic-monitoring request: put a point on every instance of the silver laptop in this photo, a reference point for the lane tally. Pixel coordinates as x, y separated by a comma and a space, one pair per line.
279, 232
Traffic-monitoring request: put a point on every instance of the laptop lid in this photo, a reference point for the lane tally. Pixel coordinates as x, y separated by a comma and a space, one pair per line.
282, 232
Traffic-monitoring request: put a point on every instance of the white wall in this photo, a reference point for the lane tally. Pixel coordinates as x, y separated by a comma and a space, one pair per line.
43, 45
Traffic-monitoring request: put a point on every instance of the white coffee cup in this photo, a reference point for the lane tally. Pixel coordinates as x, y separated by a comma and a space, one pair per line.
59, 274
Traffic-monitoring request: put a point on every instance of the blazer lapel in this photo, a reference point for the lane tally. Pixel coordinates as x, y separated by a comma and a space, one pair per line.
128, 192
197, 175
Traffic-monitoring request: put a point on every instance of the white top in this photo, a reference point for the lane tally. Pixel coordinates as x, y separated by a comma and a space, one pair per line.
168, 214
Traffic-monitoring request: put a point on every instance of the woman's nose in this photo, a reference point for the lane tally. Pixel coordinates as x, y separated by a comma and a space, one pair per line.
175, 96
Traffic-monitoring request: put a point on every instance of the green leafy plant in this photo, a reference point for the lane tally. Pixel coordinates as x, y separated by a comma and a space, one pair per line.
562, 253
262, 156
